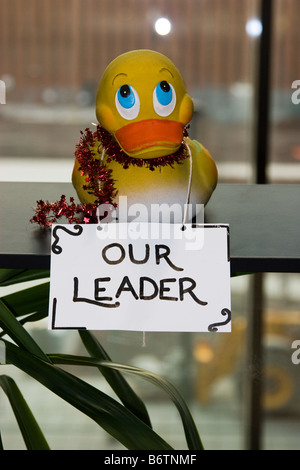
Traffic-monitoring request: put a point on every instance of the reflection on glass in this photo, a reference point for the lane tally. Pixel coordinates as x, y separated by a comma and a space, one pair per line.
162, 26
254, 27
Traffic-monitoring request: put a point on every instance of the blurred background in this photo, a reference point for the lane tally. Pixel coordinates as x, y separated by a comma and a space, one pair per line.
52, 56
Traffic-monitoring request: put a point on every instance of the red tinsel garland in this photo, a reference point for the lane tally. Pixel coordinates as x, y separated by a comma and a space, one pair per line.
114, 152
98, 178
47, 213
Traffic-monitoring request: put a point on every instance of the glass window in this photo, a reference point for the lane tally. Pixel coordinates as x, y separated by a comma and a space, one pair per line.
281, 303
52, 59
284, 159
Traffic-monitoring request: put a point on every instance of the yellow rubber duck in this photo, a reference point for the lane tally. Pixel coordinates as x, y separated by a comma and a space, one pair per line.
143, 103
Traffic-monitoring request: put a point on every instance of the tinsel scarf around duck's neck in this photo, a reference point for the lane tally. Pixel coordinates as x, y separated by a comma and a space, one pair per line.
115, 152
98, 177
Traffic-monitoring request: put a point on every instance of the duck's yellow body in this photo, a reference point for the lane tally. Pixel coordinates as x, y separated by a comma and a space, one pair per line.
142, 102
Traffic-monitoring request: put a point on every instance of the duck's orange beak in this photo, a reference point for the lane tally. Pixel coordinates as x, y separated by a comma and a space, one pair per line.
138, 136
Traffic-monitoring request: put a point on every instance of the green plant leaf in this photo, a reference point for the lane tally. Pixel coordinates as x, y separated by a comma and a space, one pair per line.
34, 317
37, 316
191, 433
6, 275
9, 277
113, 417
17, 332
33, 437
30, 300
117, 382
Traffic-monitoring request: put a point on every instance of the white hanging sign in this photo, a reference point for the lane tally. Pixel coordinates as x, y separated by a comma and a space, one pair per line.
140, 277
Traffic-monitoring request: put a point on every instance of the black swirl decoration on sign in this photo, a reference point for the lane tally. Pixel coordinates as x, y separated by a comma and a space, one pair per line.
56, 249
224, 312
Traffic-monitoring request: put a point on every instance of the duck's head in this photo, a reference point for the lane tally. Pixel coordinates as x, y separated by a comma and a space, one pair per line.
142, 101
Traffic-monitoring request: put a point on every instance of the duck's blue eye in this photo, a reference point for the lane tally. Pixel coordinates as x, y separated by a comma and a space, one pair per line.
164, 93
126, 97
127, 102
164, 98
